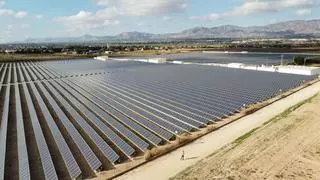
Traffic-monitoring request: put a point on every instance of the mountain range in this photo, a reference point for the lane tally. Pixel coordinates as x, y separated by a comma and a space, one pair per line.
289, 29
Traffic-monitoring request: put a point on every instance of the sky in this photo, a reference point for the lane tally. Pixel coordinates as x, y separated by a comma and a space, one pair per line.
22, 19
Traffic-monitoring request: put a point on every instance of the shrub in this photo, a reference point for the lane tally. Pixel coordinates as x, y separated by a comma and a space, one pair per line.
299, 60
147, 155
185, 139
315, 60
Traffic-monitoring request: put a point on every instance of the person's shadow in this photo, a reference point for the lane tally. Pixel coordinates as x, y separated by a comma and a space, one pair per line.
191, 158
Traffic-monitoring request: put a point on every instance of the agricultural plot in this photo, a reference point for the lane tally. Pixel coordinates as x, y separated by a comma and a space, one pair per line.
72, 119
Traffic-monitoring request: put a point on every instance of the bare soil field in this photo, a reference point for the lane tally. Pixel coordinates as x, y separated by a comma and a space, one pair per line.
286, 147
40, 57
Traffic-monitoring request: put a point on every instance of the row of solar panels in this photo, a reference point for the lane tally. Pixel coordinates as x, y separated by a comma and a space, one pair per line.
82, 137
63, 120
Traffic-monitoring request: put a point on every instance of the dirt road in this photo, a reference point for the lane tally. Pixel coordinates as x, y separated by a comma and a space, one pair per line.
286, 148
169, 165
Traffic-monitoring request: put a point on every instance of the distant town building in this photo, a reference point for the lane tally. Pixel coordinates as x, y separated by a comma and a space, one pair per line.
10, 51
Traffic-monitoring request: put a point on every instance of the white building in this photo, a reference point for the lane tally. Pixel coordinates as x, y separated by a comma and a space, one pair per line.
303, 70
10, 51
157, 60
102, 58
236, 65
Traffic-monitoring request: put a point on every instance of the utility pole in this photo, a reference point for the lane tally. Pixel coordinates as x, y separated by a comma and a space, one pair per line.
305, 61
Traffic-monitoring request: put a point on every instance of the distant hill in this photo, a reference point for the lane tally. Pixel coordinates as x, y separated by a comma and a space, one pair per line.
289, 29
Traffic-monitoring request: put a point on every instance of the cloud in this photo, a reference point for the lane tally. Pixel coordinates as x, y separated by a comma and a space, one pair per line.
250, 7
6, 12
8, 31
303, 12
145, 7
88, 20
38, 16
10, 27
10, 12
25, 26
210, 17
21, 14
113, 10
166, 18
2, 3
140, 24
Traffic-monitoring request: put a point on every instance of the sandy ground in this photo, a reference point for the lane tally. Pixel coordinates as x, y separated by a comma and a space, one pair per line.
286, 148
169, 165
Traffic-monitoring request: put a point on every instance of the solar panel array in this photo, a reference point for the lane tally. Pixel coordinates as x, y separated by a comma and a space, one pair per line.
71, 119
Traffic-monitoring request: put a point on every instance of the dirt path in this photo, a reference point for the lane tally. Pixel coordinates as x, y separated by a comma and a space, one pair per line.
169, 165
286, 148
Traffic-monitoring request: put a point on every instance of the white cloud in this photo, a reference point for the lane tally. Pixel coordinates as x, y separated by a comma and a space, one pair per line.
10, 12
8, 31
273, 21
38, 16
250, 7
303, 12
9, 27
145, 7
210, 17
6, 12
25, 26
2, 3
88, 20
166, 18
113, 10
20, 14
140, 24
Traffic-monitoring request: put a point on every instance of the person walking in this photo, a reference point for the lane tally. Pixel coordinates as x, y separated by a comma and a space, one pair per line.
182, 156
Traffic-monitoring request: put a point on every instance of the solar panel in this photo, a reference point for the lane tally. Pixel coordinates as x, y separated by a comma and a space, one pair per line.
84, 127
102, 128
137, 141
155, 100
68, 130
2, 69
123, 119
162, 100
72, 167
87, 114
147, 113
23, 161
164, 110
45, 157
168, 99
97, 97
3, 129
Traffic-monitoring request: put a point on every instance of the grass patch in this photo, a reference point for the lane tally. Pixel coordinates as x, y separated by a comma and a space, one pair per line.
290, 110
284, 114
242, 138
